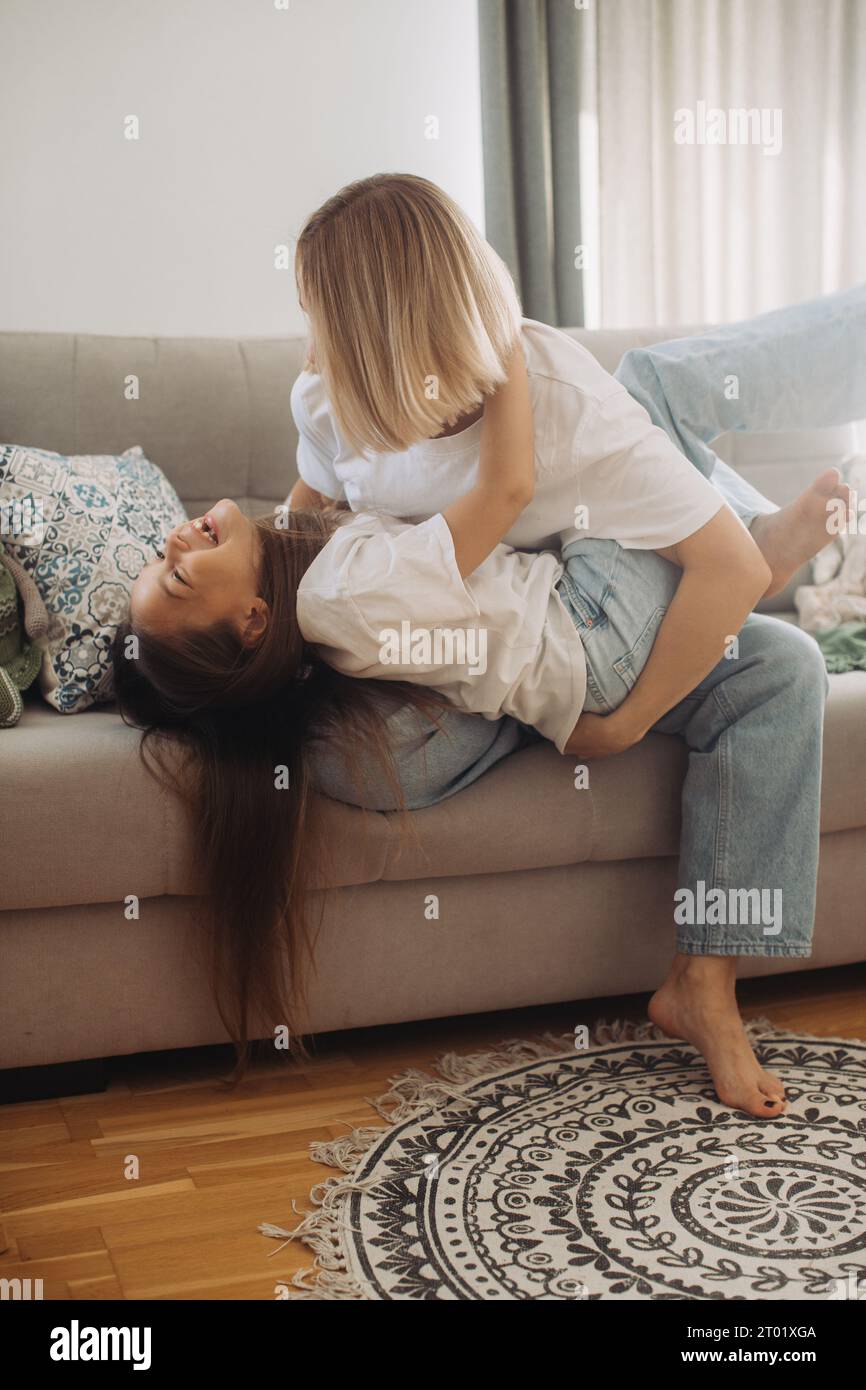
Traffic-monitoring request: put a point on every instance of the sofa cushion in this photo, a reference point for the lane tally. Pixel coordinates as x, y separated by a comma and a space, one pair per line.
91, 825
98, 520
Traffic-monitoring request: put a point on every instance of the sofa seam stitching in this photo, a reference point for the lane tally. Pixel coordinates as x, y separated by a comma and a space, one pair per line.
75, 394
249, 415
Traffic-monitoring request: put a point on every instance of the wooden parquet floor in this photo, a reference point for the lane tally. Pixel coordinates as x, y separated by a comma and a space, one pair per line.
213, 1162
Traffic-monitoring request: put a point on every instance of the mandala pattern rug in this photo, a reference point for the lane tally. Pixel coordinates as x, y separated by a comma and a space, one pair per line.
550, 1171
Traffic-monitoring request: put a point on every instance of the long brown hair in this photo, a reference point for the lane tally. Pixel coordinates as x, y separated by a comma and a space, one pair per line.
243, 721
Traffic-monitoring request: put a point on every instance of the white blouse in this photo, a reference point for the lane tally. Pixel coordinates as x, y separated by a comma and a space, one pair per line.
385, 599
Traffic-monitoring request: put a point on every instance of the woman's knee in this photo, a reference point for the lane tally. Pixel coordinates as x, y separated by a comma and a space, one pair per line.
792, 657
636, 371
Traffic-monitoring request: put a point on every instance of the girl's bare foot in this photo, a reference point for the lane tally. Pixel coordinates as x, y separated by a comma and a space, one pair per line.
698, 1002
791, 536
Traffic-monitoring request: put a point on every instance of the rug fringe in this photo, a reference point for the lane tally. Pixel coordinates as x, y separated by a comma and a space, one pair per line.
410, 1094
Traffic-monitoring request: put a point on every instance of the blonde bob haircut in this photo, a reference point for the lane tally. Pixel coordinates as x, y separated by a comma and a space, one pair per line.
412, 314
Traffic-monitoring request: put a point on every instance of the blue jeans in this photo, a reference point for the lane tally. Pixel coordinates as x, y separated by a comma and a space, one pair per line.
750, 799
798, 368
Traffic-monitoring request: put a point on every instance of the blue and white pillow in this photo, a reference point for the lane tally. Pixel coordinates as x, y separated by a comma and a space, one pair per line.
83, 527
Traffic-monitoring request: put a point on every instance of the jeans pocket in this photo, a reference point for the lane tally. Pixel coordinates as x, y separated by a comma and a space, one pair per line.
588, 616
590, 622
629, 666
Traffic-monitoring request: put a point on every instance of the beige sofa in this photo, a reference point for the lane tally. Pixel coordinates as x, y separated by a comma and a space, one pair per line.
545, 893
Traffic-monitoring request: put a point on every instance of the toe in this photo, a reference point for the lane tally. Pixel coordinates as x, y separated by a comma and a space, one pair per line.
774, 1098
754, 1101
827, 481
772, 1085
767, 1107
771, 1107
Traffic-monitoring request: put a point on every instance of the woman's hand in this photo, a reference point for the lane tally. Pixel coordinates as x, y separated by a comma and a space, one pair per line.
602, 735
304, 499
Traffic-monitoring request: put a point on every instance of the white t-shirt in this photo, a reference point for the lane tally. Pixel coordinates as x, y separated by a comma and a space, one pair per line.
385, 599
595, 449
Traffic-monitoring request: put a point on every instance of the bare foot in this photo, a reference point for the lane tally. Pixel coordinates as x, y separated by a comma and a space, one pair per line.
790, 537
698, 1002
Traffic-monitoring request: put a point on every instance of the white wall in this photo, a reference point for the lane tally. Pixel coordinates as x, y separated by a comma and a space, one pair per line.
250, 117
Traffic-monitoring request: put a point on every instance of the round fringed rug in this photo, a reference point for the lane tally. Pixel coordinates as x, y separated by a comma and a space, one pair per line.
546, 1171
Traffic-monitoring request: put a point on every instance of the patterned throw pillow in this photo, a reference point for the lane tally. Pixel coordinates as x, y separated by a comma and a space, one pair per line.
83, 527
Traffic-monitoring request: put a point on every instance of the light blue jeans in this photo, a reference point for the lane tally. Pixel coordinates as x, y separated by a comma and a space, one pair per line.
803, 367
753, 727
751, 795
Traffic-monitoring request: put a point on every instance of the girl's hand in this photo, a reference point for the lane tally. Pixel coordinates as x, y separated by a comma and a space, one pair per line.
600, 736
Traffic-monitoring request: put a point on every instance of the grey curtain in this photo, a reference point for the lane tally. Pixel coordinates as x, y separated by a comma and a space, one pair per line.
530, 116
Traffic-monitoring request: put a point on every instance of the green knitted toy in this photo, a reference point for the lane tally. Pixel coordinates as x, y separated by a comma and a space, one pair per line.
23, 626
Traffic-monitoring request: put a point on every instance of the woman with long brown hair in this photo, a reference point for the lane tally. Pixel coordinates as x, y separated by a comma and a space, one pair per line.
213, 663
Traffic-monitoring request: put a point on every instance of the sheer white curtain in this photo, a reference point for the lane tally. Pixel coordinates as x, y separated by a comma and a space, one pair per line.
697, 232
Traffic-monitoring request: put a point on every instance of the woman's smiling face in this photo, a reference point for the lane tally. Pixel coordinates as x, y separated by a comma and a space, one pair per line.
206, 573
